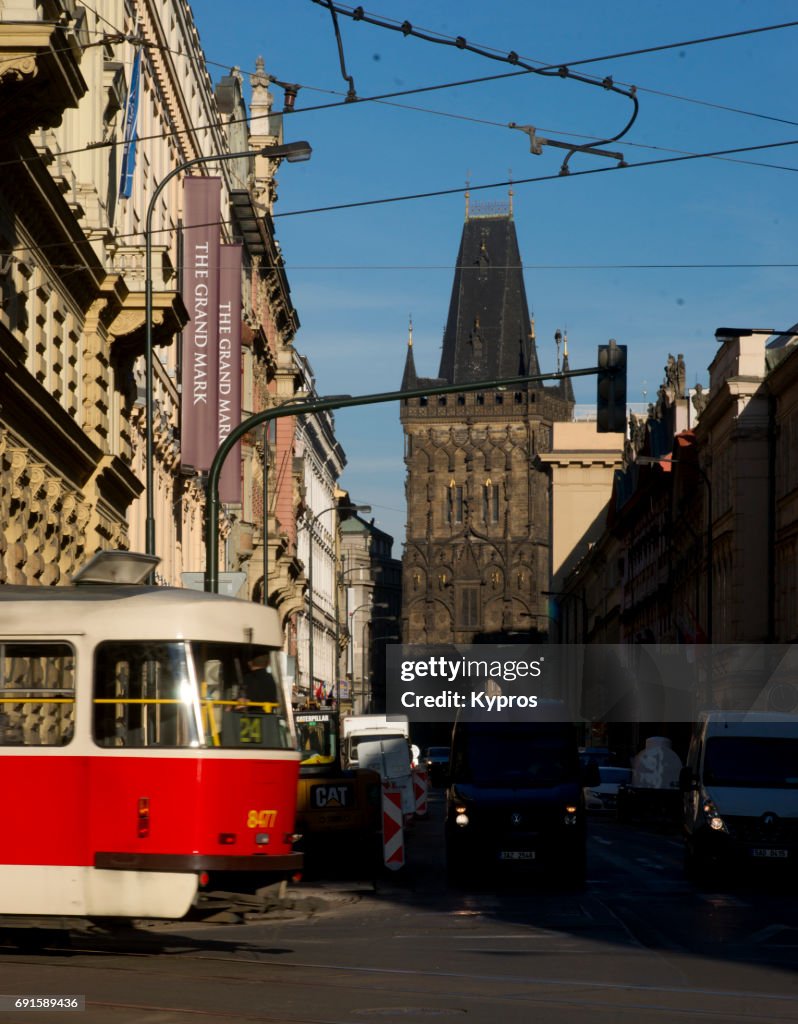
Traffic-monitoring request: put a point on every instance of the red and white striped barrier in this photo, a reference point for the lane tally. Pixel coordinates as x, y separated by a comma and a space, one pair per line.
420, 788
393, 836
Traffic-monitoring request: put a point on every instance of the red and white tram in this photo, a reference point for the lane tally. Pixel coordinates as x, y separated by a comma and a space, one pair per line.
145, 740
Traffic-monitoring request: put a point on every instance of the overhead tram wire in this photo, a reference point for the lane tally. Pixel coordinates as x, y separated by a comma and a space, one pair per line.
385, 200
460, 43
485, 78
528, 181
383, 97
675, 46
69, 268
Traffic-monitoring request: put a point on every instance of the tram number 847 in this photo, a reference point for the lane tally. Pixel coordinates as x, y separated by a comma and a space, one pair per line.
261, 819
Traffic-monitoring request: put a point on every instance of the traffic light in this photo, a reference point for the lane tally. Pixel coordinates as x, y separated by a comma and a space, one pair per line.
611, 389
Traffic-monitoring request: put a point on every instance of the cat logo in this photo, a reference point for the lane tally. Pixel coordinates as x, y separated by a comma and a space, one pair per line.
332, 795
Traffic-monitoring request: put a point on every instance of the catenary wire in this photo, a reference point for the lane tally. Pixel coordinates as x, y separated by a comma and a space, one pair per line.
527, 181
383, 98
460, 190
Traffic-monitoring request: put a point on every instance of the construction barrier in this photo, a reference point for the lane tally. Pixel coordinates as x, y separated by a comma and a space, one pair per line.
420, 788
393, 836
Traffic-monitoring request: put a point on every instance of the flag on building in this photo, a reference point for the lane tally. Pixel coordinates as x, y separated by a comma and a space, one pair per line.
131, 135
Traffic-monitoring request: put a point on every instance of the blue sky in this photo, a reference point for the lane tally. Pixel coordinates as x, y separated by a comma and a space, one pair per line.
624, 253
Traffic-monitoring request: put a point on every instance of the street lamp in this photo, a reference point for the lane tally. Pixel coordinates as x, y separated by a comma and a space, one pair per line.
365, 676
310, 522
292, 152
728, 333
296, 400
339, 583
352, 614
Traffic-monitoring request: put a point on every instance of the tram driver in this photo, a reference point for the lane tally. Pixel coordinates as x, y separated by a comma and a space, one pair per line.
258, 685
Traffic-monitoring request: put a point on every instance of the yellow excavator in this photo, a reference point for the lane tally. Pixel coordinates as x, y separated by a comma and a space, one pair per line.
339, 811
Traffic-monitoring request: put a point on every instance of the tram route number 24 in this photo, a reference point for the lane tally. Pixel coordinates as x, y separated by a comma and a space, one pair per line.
261, 819
250, 729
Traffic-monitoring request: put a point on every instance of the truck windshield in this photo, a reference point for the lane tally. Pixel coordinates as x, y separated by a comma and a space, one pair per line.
509, 756
752, 762
375, 737
317, 737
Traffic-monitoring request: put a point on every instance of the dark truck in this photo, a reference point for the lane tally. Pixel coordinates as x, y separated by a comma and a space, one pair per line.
515, 800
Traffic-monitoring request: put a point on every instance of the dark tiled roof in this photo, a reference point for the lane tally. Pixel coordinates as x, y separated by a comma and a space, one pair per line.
488, 330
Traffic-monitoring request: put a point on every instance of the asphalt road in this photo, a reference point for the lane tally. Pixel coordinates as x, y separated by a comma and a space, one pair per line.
637, 944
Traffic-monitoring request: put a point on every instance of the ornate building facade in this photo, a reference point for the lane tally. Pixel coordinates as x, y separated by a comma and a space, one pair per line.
477, 549
72, 295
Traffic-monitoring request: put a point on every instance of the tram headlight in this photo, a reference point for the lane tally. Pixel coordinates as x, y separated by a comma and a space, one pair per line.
262, 838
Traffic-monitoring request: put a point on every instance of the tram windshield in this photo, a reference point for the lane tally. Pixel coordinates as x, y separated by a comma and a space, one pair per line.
188, 694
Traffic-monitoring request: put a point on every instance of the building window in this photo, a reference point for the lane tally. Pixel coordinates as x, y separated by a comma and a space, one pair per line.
469, 607
453, 503
490, 502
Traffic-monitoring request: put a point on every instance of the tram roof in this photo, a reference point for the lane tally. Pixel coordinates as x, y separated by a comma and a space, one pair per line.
134, 612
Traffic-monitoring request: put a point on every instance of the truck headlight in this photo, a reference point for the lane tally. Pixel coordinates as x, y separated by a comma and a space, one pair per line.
714, 820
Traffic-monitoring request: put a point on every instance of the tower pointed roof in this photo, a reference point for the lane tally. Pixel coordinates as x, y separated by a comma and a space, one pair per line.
488, 332
566, 387
410, 377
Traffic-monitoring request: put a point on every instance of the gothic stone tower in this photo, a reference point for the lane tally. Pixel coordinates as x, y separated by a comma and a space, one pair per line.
476, 556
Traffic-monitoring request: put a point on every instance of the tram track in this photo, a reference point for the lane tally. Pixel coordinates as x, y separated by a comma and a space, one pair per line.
402, 985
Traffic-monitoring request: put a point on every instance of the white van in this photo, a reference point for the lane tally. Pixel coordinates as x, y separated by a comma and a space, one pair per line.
740, 790
390, 757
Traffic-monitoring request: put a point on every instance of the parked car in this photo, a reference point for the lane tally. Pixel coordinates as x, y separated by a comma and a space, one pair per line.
436, 762
604, 796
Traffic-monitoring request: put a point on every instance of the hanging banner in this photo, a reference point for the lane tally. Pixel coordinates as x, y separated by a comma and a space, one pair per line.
198, 430
131, 134
229, 369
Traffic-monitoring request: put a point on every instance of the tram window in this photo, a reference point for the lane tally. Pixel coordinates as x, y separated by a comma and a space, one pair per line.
37, 694
143, 696
241, 695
